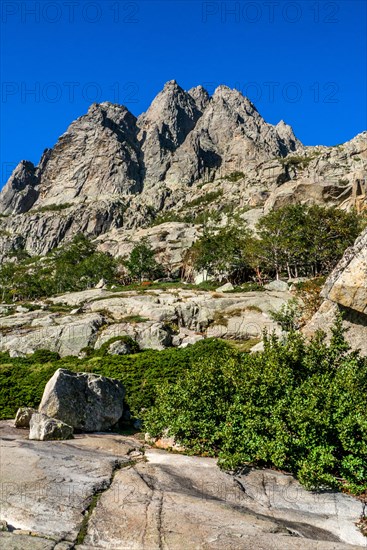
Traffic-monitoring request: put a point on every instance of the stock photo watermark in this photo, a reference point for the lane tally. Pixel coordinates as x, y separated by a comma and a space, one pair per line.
270, 12
287, 92
129, 92
68, 92
70, 12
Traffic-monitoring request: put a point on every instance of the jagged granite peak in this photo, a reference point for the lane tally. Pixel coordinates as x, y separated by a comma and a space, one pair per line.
108, 152
20, 191
229, 136
200, 96
98, 156
286, 134
164, 126
113, 172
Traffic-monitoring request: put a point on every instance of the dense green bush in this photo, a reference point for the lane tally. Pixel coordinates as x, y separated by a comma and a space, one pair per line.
22, 380
296, 406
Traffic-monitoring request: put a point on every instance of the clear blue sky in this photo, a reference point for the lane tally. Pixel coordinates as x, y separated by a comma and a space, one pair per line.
301, 61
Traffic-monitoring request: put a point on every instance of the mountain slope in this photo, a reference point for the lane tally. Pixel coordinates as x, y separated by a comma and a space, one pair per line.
189, 153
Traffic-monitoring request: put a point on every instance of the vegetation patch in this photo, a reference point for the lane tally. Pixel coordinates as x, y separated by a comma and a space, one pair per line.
234, 177
51, 208
296, 406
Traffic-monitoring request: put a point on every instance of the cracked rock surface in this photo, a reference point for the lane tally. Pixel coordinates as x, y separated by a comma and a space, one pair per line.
164, 501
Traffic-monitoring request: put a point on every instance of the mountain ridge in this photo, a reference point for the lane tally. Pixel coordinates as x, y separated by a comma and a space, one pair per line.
113, 171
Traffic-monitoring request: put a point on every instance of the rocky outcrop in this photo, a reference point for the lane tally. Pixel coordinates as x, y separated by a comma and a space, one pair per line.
87, 402
20, 192
169, 241
158, 497
164, 127
64, 334
148, 335
345, 291
230, 136
96, 158
347, 285
332, 176
155, 319
44, 428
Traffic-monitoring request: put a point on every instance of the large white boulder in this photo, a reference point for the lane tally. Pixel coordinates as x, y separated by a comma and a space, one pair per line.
87, 402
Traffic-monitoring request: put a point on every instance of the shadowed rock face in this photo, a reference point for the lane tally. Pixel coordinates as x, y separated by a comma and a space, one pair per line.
164, 127
97, 157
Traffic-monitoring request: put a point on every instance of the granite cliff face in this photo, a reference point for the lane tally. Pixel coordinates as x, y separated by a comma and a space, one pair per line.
111, 172
345, 291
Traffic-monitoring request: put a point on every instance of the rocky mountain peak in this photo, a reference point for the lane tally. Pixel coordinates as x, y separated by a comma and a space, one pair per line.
164, 127
200, 96
20, 191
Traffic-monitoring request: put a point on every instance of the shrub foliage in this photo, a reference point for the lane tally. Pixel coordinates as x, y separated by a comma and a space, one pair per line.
296, 406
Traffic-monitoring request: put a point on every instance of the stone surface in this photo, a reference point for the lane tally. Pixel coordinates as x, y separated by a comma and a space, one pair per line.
87, 402
174, 500
280, 286
119, 348
44, 428
227, 287
149, 335
65, 335
164, 501
345, 291
155, 319
23, 417
14, 541
47, 486
347, 285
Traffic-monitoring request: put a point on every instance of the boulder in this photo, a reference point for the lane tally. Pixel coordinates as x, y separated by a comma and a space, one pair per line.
87, 402
101, 283
149, 335
225, 288
278, 286
44, 428
23, 417
119, 348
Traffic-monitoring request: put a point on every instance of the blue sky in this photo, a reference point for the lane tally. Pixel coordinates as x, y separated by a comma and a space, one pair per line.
300, 61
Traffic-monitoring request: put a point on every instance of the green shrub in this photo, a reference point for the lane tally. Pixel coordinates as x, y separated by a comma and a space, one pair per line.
52, 208
77, 265
205, 199
234, 177
22, 380
296, 406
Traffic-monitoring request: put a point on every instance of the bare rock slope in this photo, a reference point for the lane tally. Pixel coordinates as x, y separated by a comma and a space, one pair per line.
110, 491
